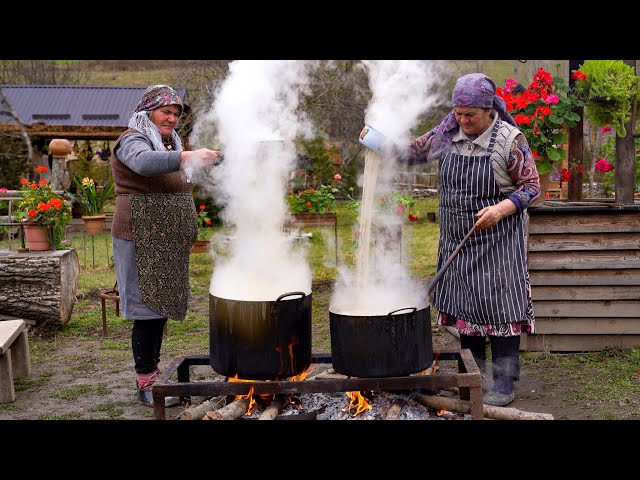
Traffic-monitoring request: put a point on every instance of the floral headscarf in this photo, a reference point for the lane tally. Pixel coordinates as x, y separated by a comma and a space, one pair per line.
472, 90
156, 96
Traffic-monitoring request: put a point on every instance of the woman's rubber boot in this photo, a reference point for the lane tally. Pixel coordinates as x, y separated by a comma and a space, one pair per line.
505, 363
478, 347
144, 383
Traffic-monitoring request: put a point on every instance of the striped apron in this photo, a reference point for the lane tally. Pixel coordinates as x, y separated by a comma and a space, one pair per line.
486, 283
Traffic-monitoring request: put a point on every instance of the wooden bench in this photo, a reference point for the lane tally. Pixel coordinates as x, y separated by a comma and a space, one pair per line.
14, 357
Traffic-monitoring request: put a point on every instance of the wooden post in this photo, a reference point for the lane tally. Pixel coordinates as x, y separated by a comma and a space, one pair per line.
626, 158
576, 146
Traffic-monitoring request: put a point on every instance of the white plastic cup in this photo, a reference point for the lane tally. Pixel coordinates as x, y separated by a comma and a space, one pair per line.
372, 139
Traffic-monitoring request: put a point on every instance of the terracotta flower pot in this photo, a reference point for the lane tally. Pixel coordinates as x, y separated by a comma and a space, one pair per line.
36, 237
201, 246
93, 224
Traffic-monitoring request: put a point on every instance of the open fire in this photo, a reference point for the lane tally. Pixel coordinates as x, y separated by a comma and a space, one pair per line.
321, 394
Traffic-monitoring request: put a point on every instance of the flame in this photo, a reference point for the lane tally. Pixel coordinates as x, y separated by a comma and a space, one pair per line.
294, 342
357, 402
434, 366
441, 412
266, 398
252, 402
297, 378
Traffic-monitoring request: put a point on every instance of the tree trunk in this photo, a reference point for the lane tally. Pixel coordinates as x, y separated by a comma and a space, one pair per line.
39, 286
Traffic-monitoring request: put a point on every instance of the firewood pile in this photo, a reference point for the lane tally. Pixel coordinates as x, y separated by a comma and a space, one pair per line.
415, 405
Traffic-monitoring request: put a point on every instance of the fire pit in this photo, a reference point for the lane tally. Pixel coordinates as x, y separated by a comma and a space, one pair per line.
468, 380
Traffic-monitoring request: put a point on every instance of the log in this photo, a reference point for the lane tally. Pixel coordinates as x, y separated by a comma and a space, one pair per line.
234, 410
394, 410
463, 406
39, 286
274, 408
196, 412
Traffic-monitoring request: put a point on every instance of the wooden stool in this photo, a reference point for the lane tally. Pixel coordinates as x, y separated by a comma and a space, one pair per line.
113, 295
14, 357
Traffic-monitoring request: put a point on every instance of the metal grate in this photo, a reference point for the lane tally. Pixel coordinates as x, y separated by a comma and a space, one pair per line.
468, 381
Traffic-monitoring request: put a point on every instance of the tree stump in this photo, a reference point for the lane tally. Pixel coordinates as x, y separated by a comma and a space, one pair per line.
39, 286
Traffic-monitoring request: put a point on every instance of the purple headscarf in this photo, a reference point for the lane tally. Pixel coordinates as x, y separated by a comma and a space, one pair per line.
157, 96
472, 90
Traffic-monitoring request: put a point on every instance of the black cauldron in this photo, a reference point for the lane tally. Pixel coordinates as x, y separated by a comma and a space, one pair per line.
260, 340
395, 344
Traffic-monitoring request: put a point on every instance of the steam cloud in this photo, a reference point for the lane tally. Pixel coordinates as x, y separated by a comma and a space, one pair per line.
400, 94
254, 116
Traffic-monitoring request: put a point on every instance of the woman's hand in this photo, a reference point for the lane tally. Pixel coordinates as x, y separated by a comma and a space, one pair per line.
490, 216
201, 158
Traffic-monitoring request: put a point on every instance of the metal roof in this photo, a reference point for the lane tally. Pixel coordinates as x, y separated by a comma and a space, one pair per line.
72, 105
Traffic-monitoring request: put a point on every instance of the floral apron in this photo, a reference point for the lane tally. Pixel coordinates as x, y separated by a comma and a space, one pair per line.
486, 283
164, 229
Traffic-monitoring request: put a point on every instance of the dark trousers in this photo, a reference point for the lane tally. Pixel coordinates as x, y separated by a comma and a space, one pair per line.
505, 354
478, 347
146, 340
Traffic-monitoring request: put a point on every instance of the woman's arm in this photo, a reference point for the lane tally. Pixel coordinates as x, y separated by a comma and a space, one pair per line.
522, 169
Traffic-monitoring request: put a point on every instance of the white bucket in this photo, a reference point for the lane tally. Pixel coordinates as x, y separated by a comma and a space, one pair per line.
372, 139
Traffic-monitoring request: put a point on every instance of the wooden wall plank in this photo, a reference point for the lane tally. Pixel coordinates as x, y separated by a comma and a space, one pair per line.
587, 292
585, 223
584, 241
591, 326
585, 277
598, 308
584, 260
578, 343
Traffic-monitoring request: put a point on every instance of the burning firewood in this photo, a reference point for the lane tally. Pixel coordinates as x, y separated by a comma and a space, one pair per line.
463, 406
234, 410
274, 408
198, 411
394, 410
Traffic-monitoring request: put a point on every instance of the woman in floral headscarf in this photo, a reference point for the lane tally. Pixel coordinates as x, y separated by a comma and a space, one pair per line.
487, 177
154, 226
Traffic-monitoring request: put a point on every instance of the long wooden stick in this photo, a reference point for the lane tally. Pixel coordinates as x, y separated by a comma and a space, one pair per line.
463, 406
436, 278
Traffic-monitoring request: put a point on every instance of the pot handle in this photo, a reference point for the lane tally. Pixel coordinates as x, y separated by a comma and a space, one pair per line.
414, 309
284, 295
388, 322
275, 306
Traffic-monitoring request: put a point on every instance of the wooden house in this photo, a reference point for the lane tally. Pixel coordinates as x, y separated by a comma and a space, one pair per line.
584, 264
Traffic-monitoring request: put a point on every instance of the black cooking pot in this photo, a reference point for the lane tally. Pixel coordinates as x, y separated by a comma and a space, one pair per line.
260, 340
391, 345
386, 345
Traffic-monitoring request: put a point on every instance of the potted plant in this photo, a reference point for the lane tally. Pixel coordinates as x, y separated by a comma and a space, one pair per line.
544, 111
313, 200
204, 231
92, 200
608, 89
44, 213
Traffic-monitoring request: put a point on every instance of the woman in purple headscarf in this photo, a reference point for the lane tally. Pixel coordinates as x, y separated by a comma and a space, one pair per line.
488, 177
154, 226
